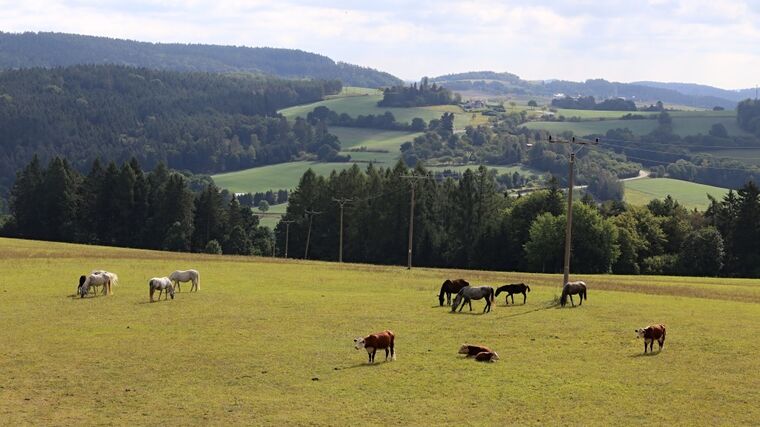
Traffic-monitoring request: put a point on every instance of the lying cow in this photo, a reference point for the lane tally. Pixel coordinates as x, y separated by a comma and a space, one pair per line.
487, 356
371, 343
471, 349
651, 334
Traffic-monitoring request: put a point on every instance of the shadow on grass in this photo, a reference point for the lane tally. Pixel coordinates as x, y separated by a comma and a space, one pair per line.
364, 365
650, 354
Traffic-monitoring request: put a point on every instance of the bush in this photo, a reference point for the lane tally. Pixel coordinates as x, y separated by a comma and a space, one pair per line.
660, 264
213, 247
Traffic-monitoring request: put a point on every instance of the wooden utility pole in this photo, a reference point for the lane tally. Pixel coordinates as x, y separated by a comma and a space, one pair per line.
341, 202
311, 214
570, 185
287, 234
413, 183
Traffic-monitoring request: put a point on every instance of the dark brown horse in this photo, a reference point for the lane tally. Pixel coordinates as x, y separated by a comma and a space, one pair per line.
511, 290
573, 288
451, 287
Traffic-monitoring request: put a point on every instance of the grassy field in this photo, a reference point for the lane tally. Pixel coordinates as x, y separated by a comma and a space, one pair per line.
684, 122
746, 156
271, 217
689, 194
373, 139
269, 342
367, 104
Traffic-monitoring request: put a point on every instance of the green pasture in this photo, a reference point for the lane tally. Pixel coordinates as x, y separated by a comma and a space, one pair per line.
522, 169
367, 104
271, 217
384, 145
273, 177
684, 122
749, 156
689, 194
269, 342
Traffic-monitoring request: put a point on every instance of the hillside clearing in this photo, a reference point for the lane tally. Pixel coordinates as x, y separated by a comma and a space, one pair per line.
689, 194
269, 342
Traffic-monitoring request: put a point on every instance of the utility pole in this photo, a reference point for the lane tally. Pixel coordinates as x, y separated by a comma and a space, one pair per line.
413, 183
287, 233
570, 185
342, 201
311, 214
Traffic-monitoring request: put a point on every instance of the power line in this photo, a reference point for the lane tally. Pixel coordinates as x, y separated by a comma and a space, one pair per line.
692, 164
716, 147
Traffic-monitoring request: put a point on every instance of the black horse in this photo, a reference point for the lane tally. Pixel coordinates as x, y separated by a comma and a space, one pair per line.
511, 290
451, 287
573, 288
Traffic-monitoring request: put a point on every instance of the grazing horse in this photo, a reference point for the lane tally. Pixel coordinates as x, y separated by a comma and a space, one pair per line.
469, 293
651, 334
186, 276
511, 290
161, 284
573, 288
381, 340
451, 287
471, 350
98, 278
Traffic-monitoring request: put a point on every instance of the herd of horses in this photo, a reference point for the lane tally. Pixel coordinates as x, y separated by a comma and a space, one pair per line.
466, 293
89, 284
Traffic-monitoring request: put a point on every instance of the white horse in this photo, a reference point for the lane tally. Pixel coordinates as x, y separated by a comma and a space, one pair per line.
186, 276
161, 284
98, 278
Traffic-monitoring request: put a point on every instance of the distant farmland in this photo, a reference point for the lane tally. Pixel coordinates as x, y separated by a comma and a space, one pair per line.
684, 122
689, 194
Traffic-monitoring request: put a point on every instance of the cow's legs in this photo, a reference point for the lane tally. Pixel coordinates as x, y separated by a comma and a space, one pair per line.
386, 353
661, 343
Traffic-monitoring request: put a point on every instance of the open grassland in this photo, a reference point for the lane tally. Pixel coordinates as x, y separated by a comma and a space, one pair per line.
689, 194
384, 145
523, 170
271, 217
684, 122
367, 104
269, 342
279, 176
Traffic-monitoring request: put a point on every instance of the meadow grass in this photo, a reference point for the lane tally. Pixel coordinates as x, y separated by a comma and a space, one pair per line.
269, 342
367, 104
684, 123
689, 194
274, 177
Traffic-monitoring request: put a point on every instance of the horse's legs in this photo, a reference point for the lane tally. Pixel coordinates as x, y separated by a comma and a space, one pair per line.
513, 298
152, 290
580, 297
469, 301
525, 297
571, 300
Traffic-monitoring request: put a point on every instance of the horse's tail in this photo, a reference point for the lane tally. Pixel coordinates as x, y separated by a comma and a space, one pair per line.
585, 293
198, 280
491, 295
527, 288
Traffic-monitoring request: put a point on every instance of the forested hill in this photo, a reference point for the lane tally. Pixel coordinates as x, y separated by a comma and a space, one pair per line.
505, 83
201, 122
58, 49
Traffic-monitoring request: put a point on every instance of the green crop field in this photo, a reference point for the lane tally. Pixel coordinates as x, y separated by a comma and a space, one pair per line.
747, 156
271, 217
689, 194
377, 140
684, 122
269, 342
524, 170
279, 176
367, 104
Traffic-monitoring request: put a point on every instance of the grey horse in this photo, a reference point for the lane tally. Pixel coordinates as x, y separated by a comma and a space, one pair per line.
573, 288
161, 284
469, 293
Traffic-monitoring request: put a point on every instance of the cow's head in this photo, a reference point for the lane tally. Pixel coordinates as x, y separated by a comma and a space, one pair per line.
495, 356
464, 349
640, 332
359, 343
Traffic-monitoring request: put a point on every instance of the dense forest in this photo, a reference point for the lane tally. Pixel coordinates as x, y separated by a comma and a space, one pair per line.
469, 224
748, 115
59, 50
381, 121
418, 95
196, 121
507, 83
589, 103
464, 224
125, 206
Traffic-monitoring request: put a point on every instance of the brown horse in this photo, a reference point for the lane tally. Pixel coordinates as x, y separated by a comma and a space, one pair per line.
451, 287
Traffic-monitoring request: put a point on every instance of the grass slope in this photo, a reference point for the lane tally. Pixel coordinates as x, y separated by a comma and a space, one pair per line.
684, 122
269, 342
367, 104
689, 194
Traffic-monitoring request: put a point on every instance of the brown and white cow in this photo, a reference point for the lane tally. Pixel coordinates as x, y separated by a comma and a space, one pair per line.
651, 334
487, 356
472, 349
373, 342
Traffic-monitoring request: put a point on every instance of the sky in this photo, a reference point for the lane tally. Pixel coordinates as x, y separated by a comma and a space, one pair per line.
715, 42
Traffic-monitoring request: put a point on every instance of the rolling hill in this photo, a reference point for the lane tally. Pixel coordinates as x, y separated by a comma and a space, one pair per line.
493, 83
59, 50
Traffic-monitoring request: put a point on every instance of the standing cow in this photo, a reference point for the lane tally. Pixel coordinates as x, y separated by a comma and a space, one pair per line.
371, 343
651, 334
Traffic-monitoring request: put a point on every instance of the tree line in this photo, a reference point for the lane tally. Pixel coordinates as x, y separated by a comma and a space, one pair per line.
418, 95
470, 224
589, 103
194, 121
126, 206
385, 121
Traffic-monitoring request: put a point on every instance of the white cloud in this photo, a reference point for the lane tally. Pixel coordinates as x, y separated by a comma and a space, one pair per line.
705, 41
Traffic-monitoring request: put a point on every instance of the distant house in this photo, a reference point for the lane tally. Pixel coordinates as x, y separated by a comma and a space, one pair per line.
473, 104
